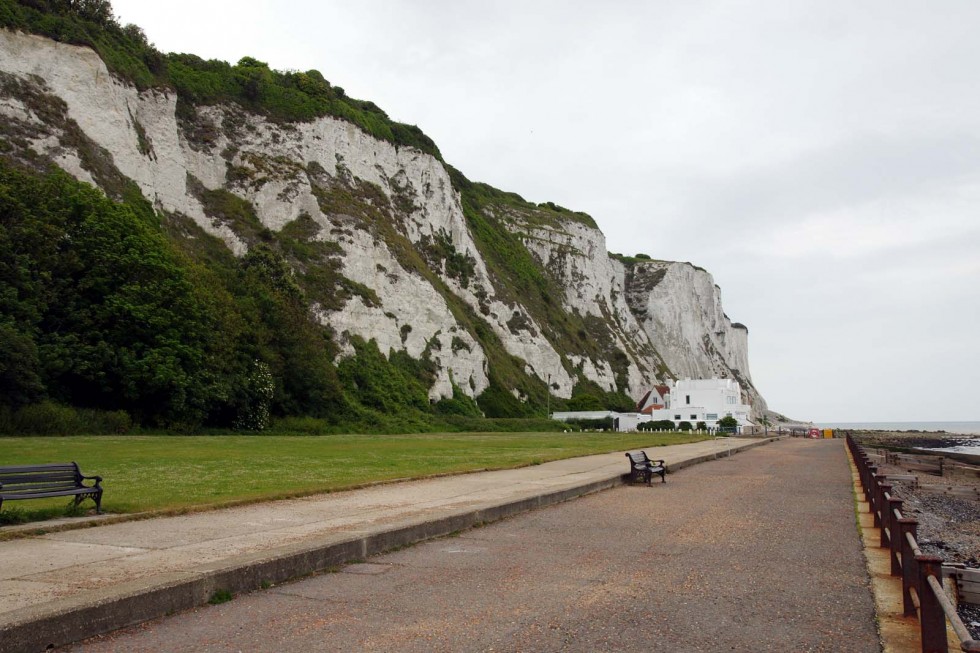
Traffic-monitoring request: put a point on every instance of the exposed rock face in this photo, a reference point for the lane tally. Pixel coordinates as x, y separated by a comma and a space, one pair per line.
680, 308
404, 250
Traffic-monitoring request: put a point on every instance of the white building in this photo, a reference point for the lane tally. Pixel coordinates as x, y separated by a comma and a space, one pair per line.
687, 400
697, 400
623, 422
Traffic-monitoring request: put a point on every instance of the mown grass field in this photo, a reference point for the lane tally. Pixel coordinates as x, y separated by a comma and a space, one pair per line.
174, 473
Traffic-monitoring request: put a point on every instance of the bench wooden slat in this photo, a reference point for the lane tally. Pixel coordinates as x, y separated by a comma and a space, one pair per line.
48, 480
19, 479
41, 466
41, 495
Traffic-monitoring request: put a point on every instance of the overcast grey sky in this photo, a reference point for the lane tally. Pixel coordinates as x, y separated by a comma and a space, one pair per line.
820, 158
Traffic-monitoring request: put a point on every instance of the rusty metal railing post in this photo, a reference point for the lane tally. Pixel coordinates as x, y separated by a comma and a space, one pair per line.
932, 619
867, 474
876, 479
869, 485
910, 569
881, 489
888, 519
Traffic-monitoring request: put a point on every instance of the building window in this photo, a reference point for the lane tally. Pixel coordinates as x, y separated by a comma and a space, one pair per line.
711, 416
677, 416
687, 399
694, 416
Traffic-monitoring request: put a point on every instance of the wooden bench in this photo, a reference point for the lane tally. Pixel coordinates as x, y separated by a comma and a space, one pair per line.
641, 467
50, 480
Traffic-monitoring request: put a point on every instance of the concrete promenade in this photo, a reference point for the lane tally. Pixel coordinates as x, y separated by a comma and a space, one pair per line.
759, 552
64, 586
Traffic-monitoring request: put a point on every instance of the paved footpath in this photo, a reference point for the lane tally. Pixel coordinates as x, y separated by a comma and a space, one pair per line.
759, 552
63, 586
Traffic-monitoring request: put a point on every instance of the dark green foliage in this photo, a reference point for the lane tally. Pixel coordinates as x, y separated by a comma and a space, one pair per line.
439, 250
728, 422
458, 404
284, 96
602, 424
99, 311
381, 384
632, 260
585, 402
497, 401
684, 426
124, 49
49, 418
701, 426
98, 306
657, 425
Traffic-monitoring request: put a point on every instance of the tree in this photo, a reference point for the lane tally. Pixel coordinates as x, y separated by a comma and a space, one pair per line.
728, 424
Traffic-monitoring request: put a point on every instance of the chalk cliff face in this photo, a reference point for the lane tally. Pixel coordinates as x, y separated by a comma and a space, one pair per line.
679, 306
411, 270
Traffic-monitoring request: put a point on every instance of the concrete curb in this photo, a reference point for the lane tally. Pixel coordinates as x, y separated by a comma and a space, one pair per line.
60, 622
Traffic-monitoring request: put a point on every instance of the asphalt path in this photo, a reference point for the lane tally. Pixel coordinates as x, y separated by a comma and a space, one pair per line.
757, 552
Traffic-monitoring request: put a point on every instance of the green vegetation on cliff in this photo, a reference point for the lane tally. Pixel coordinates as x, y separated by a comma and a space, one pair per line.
284, 96
113, 315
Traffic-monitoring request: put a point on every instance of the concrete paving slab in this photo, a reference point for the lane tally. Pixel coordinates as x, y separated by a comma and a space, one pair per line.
72, 584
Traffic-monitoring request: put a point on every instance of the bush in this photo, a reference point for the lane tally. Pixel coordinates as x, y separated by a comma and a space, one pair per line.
584, 402
50, 418
657, 425
458, 404
684, 426
604, 424
701, 426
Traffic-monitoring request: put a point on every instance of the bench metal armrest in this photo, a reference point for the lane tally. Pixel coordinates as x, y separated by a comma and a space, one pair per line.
97, 479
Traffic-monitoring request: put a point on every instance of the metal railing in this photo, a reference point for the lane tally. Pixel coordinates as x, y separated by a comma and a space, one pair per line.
923, 595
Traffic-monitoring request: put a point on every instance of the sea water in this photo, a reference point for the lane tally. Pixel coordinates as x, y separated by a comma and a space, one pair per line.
967, 444
957, 428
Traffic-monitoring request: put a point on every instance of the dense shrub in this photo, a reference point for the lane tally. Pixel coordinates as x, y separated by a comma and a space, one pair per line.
684, 426
585, 402
49, 418
458, 404
657, 425
603, 424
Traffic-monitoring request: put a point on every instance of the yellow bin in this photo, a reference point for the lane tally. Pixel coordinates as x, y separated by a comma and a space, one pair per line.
828, 433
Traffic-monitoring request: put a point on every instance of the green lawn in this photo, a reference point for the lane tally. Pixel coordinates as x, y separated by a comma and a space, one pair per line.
173, 473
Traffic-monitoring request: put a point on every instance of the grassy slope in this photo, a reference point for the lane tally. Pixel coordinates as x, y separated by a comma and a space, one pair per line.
173, 473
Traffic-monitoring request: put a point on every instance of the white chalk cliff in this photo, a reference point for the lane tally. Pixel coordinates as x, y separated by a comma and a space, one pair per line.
629, 323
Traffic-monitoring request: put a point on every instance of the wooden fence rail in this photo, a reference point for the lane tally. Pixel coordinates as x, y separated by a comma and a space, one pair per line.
923, 595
